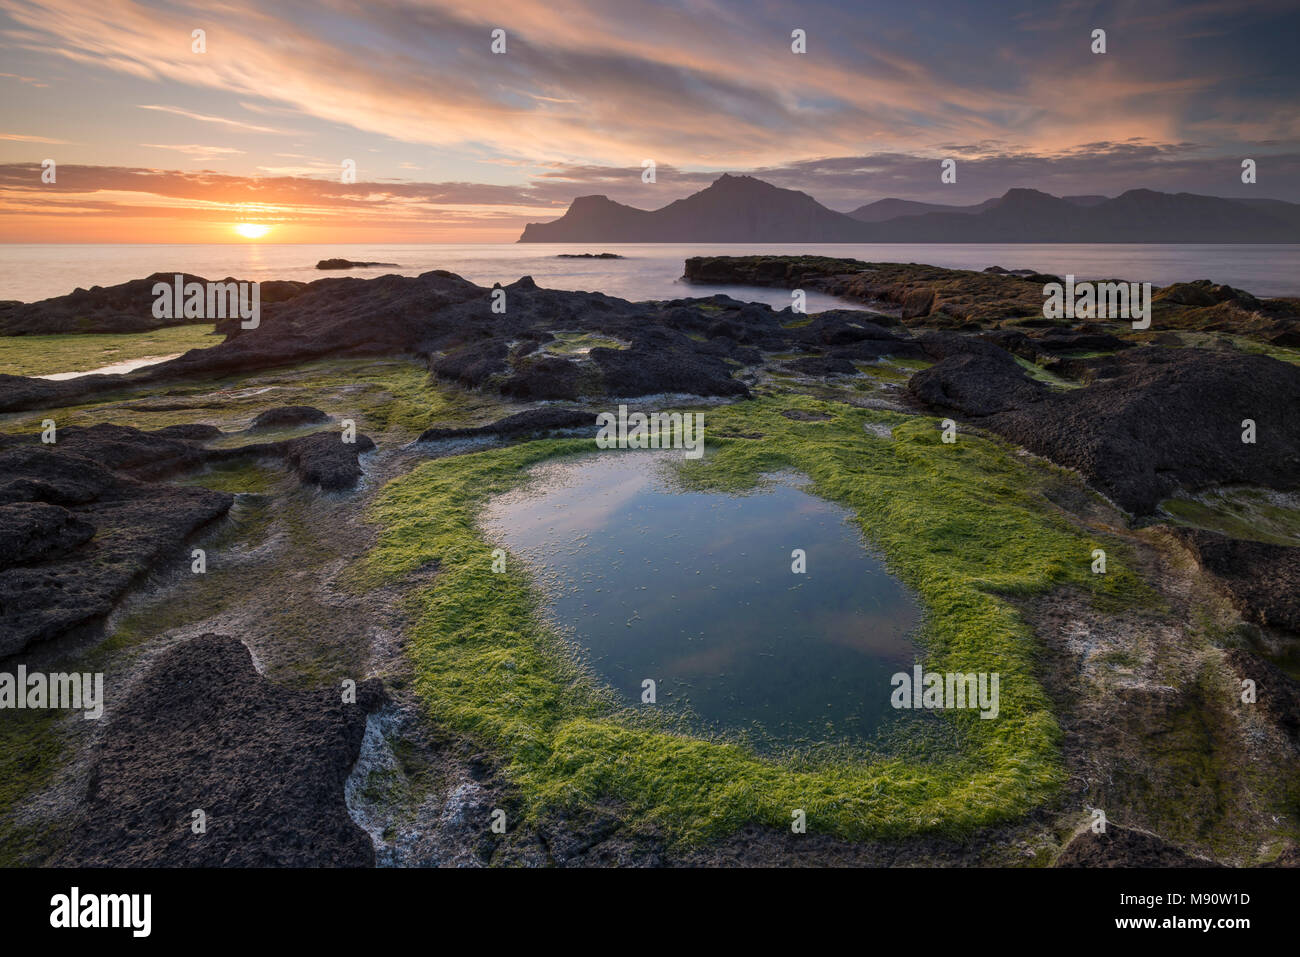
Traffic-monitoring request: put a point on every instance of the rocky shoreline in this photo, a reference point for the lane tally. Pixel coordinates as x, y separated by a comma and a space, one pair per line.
1141, 417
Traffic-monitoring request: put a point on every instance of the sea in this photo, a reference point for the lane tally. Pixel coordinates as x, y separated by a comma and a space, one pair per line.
646, 271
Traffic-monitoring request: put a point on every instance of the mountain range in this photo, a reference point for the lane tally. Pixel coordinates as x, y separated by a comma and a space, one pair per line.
742, 209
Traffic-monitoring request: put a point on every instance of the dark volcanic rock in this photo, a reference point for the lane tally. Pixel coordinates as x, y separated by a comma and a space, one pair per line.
142, 455
450, 322
288, 415
127, 307
823, 366
38, 531
324, 459
531, 422
976, 385
79, 524
191, 433
349, 264
1124, 847
543, 377
659, 362
265, 764
473, 364
1167, 419
72, 579
1262, 579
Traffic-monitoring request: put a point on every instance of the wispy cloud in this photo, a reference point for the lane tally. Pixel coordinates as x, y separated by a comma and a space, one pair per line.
205, 118
196, 150
22, 138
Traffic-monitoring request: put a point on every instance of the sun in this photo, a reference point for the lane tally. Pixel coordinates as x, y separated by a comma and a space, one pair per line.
252, 230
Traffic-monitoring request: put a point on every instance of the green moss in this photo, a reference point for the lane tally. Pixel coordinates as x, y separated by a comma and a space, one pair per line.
237, 477
48, 355
963, 525
1043, 375
31, 751
393, 399
1251, 513
580, 343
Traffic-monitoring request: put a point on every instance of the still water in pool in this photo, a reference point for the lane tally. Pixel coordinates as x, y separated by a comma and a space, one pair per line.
695, 591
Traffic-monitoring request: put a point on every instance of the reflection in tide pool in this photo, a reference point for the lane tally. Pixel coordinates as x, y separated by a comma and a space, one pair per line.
695, 591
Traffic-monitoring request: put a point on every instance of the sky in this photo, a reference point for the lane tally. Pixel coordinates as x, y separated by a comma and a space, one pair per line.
156, 140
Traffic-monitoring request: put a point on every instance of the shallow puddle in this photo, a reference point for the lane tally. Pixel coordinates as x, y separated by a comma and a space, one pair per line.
115, 368
695, 590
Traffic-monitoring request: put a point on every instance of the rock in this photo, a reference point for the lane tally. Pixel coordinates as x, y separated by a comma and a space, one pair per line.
142, 455
325, 460
1166, 420
823, 366
472, 365
658, 363
976, 385
72, 579
1262, 579
1124, 847
531, 422
33, 532
265, 764
190, 433
286, 416
126, 307
349, 264
543, 377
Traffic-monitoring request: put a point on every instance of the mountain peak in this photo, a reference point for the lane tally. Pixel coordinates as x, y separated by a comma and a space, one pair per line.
736, 208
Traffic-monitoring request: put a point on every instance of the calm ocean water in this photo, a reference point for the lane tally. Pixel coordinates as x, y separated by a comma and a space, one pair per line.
649, 271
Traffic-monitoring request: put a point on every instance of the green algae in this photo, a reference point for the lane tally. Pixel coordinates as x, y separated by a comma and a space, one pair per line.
389, 399
581, 343
49, 355
1240, 512
965, 526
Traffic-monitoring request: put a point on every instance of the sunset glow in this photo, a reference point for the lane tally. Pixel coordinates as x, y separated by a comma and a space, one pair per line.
408, 128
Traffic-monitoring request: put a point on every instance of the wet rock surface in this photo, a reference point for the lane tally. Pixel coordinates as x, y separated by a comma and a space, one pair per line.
266, 766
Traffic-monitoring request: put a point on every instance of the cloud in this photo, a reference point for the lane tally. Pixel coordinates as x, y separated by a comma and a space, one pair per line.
20, 138
204, 118
704, 85
24, 79
197, 150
